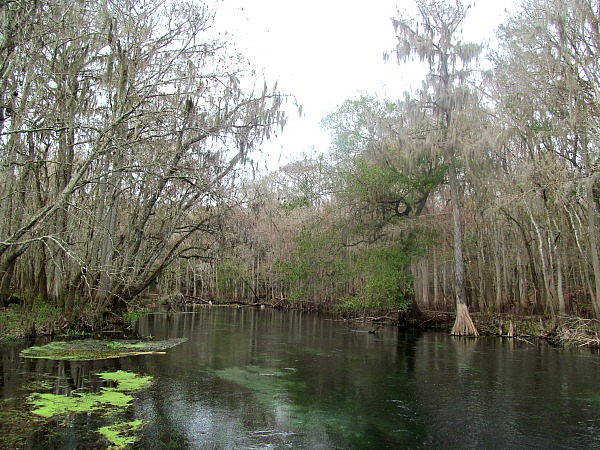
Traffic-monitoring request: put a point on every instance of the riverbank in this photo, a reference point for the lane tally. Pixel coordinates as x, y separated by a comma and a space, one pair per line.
20, 322
563, 331
17, 322
41, 319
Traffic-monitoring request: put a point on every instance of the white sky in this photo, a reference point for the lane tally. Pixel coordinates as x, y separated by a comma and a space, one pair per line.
327, 51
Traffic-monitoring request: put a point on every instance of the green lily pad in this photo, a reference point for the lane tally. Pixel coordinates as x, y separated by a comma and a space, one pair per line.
92, 349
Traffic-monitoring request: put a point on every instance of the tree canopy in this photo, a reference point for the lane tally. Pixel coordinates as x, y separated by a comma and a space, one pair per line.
124, 125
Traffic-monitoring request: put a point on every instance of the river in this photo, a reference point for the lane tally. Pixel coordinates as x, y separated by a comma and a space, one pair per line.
252, 378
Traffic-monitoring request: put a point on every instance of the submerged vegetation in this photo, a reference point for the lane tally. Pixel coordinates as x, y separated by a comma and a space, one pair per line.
91, 349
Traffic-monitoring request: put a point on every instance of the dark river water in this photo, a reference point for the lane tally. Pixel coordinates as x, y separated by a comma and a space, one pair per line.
262, 379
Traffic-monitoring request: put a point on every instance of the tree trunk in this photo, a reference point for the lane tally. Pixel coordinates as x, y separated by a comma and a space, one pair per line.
463, 326
592, 211
497, 268
436, 282
424, 265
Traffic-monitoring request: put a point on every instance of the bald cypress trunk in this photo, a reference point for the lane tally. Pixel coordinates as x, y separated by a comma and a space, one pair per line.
432, 37
463, 326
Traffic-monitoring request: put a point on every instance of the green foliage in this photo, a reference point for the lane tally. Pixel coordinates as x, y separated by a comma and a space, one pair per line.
357, 125
395, 193
132, 316
317, 258
381, 274
385, 271
305, 182
386, 174
291, 203
71, 333
386, 169
230, 274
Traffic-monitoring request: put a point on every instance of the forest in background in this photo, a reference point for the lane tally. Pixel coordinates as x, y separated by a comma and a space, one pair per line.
127, 133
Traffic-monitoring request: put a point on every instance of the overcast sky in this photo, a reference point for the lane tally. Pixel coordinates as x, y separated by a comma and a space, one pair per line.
326, 51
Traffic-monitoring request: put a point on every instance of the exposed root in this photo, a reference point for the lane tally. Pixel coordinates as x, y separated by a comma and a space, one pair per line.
463, 326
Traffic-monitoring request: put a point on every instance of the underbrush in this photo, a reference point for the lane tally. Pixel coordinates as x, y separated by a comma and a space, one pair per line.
17, 321
43, 318
576, 332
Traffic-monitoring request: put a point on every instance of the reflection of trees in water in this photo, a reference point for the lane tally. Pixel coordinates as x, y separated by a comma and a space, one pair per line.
306, 379
301, 380
498, 392
20, 377
407, 348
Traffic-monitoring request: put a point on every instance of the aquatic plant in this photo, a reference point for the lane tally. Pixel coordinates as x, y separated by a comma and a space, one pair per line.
92, 349
127, 381
121, 434
50, 405
107, 400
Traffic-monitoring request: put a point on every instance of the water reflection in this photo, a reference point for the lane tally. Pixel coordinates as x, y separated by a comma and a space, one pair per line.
274, 378
506, 395
249, 378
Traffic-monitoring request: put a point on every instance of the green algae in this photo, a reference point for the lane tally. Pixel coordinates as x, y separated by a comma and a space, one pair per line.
92, 349
121, 434
49, 405
263, 382
127, 381
279, 391
106, 402
591, 396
